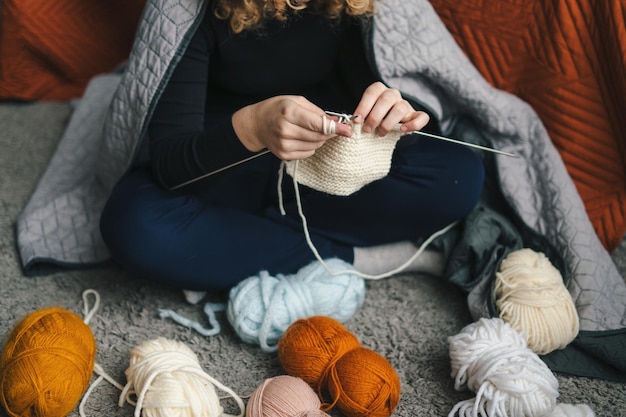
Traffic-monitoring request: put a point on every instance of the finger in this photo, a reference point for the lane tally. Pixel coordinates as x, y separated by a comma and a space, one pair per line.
333, 126
292, 156
381, 110
368, 100
388, 104
321, 123
299, 111
303, 134
415, 122
302, 113
296, 149
401, 111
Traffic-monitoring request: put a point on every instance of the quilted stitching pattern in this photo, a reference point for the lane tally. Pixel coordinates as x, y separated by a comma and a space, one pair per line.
537, 185
566, 58
62, 215
168, 21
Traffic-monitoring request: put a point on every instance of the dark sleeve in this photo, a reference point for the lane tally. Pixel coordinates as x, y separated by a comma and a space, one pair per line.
183, 145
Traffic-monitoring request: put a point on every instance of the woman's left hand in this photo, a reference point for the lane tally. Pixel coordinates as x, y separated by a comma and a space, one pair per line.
382, 108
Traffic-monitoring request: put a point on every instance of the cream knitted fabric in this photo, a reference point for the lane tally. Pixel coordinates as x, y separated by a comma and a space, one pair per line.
344, 165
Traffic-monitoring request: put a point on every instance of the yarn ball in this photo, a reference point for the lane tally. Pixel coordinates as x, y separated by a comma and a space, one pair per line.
492, 359
284, 396
322, 352
168, 380
310, 345
46, 364
344, 165
530, 295
262, 307
363, 383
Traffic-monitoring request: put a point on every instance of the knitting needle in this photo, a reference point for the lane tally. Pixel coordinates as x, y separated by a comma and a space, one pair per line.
266, 151
344, 116
460, 142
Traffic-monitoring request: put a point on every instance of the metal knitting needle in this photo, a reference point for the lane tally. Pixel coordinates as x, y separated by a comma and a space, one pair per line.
234, 164
344, 116
460, 142
347, 117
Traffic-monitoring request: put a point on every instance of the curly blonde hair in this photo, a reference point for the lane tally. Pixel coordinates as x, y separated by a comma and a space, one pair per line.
249, 14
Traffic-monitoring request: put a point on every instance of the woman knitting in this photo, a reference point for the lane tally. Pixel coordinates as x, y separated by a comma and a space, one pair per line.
257, 75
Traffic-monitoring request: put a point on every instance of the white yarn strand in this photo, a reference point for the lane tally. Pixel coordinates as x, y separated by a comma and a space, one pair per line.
102, 375
311, 245
88, 313
281, 204
492, 359
209, 310
329, 126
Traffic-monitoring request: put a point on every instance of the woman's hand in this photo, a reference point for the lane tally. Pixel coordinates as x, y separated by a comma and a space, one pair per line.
381, 109
291, 127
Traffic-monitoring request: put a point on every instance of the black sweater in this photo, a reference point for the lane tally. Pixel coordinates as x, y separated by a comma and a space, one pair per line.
191, 132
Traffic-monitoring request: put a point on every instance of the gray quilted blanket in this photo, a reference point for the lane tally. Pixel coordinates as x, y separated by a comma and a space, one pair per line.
414, 53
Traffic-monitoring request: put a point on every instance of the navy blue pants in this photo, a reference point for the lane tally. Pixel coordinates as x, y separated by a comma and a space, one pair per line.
232, 229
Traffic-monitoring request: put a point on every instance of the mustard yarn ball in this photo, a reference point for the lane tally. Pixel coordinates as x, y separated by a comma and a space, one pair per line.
531, 297
46, 364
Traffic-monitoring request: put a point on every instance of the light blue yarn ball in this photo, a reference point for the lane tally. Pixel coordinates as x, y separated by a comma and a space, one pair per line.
262, 307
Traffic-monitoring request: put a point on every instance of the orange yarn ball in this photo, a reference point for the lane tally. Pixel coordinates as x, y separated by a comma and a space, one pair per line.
322, 352
363, 383
310, 345
46, 364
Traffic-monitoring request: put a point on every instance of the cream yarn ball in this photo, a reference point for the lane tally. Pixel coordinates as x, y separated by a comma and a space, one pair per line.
530, 295
167, 380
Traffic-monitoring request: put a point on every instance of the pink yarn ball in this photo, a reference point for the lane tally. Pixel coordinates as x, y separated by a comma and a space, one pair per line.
284, 396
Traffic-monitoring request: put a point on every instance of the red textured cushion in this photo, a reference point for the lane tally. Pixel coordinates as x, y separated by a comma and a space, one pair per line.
49, 50
566, 58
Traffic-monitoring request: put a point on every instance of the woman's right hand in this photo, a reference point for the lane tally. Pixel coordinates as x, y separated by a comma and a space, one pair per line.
291, 127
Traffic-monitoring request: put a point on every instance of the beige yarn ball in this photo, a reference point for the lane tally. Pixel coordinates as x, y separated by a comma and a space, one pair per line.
531, 296
344, 165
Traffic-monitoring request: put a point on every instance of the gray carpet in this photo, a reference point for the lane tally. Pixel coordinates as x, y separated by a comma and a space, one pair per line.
406, 318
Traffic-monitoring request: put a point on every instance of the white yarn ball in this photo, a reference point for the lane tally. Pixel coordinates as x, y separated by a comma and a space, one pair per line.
531, 296
168, 381
492, 359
